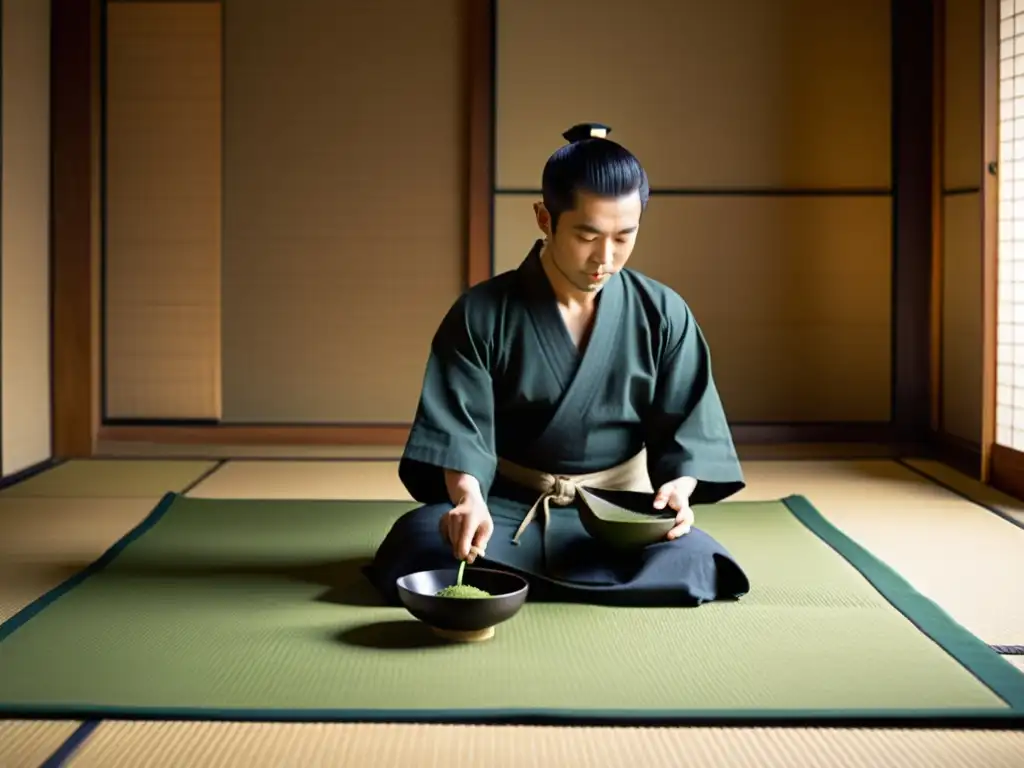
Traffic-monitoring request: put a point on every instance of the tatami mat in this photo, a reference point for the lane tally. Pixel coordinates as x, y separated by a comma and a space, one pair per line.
45, 541
852, 482
26, 743
964, 557
967, 559
108, 479
931, 535
253, 479
127, 745
974, 489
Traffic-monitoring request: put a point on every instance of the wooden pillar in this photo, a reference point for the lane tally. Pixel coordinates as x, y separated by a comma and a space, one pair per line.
912, 94
479, 72
75, 111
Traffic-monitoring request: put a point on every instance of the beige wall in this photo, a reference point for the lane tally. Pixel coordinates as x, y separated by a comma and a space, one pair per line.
961, 378
325, 240
25, 262
793, 292
343, 225
295, 272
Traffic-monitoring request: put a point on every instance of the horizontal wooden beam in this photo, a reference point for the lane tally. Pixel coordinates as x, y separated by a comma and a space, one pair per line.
813, 432
313, 434
243, 434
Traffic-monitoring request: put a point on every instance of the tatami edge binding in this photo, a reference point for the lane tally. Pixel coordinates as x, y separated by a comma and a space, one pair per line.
29, 472
203, 476
926, 719
37, 606
962, 494
972, 653
71, 745
1008, 650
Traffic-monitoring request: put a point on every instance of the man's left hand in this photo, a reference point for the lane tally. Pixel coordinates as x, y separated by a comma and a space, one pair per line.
676, 495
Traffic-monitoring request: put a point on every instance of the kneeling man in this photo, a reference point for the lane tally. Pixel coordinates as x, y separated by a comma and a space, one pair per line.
570, 370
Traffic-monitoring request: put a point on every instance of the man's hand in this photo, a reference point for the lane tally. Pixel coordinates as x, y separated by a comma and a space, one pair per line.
676, 495
467, 528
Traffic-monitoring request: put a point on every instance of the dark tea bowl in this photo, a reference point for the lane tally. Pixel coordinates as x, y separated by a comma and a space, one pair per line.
624, 519
459, 618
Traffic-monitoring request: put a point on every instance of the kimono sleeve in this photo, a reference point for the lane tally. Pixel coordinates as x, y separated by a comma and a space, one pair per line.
686, 430
454, 423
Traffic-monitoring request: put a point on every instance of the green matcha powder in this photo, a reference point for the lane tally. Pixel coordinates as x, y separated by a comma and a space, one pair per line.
462, 590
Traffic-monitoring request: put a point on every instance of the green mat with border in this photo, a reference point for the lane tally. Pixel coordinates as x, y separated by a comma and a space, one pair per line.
256, 610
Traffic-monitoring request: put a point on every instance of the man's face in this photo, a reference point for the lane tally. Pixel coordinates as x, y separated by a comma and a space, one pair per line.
594, 240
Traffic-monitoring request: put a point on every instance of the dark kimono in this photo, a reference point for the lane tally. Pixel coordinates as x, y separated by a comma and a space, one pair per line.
504, 379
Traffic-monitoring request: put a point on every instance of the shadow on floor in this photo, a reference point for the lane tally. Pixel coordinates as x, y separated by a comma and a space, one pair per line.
343, 580
391, 636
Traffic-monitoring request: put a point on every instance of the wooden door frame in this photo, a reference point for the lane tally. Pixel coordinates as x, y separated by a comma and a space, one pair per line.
1002, 467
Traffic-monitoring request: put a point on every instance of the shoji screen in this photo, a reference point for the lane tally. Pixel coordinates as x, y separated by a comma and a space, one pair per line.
1010, 309
163, 210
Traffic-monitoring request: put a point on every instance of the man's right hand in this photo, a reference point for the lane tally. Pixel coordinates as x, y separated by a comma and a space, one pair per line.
467, 528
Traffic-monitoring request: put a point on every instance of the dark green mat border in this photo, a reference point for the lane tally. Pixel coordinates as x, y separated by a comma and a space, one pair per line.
1004, 679
36, 607
996, 673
